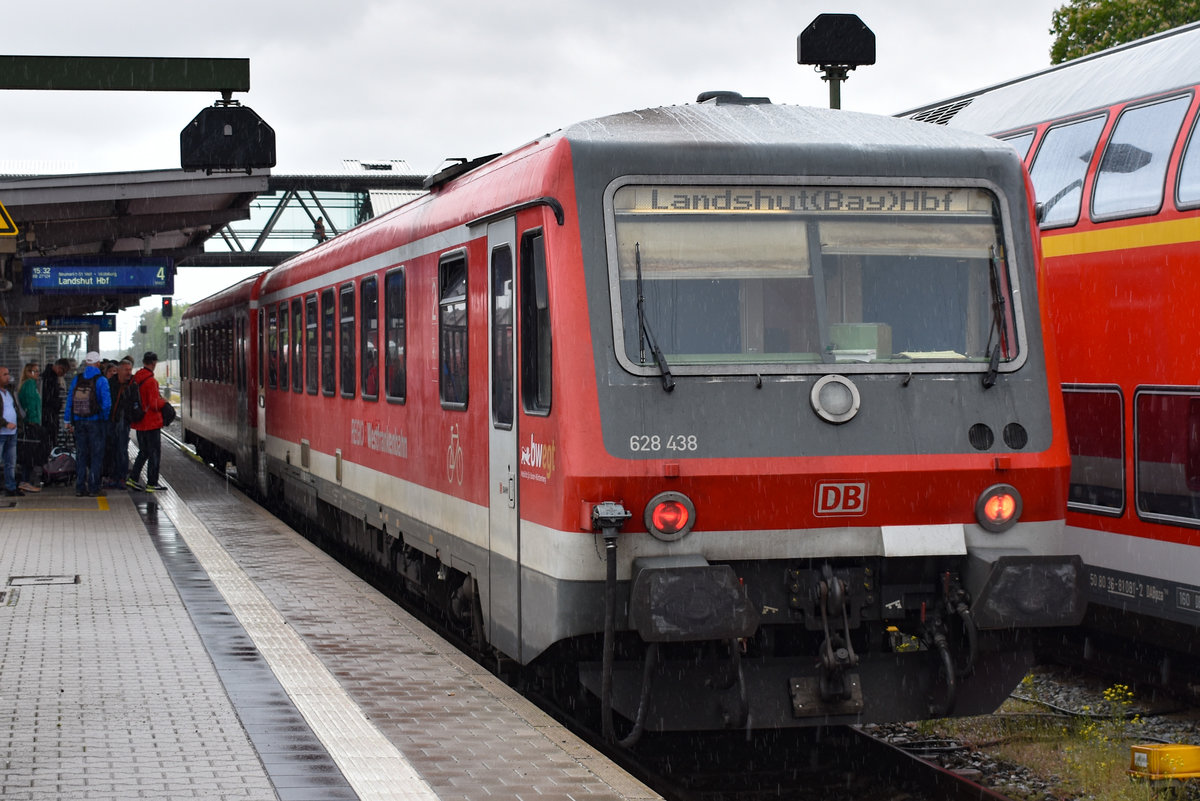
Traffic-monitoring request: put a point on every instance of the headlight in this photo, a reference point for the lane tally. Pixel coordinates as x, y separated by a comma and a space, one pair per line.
998, 508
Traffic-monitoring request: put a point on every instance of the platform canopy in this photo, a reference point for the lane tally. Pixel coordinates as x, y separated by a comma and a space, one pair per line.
160, 213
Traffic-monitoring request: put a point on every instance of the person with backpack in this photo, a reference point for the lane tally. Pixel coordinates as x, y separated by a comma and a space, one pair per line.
148, 428
125, 398
89, 404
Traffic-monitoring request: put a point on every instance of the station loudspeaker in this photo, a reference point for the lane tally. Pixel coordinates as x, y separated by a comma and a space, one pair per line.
227, 137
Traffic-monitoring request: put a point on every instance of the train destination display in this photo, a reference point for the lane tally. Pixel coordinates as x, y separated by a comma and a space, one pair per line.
99, 276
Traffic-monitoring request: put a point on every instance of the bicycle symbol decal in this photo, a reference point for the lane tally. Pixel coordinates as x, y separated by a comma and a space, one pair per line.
454, 458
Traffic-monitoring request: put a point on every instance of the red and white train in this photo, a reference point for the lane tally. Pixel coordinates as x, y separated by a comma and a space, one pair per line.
735, 414
1113, 147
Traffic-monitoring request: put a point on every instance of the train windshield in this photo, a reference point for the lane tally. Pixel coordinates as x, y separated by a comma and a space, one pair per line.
792, 279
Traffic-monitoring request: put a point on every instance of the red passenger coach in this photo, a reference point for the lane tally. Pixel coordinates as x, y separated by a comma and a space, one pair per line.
733, 414
1114, 153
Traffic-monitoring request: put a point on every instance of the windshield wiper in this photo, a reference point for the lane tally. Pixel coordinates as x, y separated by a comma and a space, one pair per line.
998, 323
644, 335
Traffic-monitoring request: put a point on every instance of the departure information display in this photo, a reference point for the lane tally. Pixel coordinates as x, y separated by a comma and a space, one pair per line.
100, 275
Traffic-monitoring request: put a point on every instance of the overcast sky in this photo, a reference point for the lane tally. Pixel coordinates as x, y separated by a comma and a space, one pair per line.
423, 81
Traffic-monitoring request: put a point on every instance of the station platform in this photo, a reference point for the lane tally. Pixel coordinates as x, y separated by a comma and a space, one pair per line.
187, 644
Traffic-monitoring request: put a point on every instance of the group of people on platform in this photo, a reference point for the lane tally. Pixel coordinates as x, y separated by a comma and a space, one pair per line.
96, 408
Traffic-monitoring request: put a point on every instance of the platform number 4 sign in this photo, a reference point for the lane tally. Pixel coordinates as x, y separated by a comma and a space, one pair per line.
7, 226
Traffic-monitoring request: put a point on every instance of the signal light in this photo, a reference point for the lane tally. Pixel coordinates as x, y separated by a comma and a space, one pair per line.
167, 308
670, 516
998, 508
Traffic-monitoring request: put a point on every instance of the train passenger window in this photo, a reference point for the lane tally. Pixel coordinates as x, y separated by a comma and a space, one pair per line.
1133, 169
502, 338
771, 278
240, 353
272, 349
535, 325
1167, 447
452, 331
347, 350
1060, 166
297, 345
328, 328
1096, 438
1187, 190
370, 338
1021, 143
395, 358
284, 341
310, 344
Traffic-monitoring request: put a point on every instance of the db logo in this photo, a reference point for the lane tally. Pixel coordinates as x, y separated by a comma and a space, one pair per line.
844, 498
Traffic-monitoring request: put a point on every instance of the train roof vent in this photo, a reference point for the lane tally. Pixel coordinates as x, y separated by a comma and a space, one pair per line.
942, 114
720, 98
459, 167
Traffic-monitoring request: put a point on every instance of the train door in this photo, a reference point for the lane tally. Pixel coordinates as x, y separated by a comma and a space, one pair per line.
503, 594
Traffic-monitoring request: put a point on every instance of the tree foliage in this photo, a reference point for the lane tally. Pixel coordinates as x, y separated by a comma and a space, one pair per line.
1081, 27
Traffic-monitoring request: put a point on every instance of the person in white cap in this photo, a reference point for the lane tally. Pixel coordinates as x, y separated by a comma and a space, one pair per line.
88, 405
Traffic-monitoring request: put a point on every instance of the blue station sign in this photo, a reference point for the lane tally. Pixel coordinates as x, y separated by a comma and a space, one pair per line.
147, 275
106, 323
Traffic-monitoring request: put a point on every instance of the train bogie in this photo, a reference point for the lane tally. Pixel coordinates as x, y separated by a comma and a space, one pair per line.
738, 413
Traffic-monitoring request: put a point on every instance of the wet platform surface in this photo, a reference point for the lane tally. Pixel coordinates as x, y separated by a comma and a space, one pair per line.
186, 644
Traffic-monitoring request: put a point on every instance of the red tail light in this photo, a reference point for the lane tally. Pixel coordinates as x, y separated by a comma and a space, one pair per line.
670, 516
998, 508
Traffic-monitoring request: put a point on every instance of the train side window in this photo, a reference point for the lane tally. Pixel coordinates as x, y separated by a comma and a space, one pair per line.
370, 338
328, 329
297, 345
1020, 143
283, 345
346, 350
452, 331
1167, 447
1096, 438
1060, 166
310, 344
272, 349
395, 358
1187, 190
1133, 169
502, 337
535, 325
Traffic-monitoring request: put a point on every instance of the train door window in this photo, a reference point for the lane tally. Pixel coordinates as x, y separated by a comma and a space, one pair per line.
283, 346
1060, 166
262, 365
310, 344
297, 345
1133, 169
370, 338
1187, 190
269, 360
346, 350
452, 331
328, 328
1020, 143
1096, 438
1167, 454
535, 325
239, 352
395, 358
502, 337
